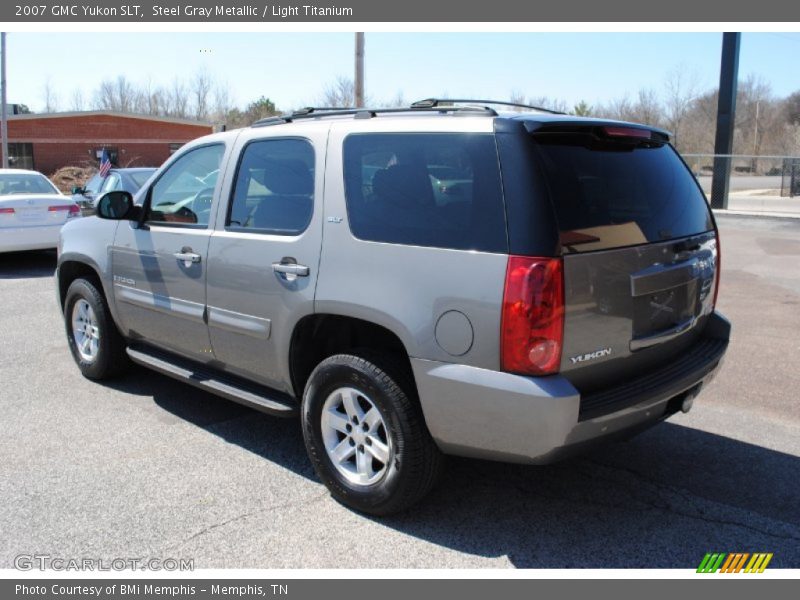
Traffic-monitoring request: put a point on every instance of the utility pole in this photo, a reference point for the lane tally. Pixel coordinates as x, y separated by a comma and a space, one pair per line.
754, 165
726, 119
4, 116
359, 79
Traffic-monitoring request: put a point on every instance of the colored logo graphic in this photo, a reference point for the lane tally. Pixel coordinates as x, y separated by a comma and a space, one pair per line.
734, 562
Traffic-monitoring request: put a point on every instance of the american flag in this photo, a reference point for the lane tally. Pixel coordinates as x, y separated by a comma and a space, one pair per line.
105, 164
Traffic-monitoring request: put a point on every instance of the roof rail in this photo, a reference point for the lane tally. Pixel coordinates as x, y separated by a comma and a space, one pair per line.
439, 102
364, 113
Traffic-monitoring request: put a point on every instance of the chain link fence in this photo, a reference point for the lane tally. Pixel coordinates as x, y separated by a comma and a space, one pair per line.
757, 183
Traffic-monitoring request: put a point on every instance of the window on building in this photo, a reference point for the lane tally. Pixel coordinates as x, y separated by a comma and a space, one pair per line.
113, 154
20, 155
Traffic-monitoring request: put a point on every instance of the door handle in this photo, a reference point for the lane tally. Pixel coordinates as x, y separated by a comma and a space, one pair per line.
662, 336
290, 270
187, 256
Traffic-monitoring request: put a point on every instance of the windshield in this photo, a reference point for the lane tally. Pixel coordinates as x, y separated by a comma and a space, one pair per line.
25, 183
611, 194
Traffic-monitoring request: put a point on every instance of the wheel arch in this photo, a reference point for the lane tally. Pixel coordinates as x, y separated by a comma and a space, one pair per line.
320, 335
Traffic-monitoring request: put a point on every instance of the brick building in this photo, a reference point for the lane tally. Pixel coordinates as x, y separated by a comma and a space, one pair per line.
47, 142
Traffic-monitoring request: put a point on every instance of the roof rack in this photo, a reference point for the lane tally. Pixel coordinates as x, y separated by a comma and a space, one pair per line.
439, 102
312, 112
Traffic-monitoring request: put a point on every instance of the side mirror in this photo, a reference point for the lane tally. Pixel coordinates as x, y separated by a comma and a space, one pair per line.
117, 206
78, 190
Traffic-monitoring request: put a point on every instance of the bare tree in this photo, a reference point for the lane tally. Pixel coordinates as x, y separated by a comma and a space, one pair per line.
125, 94
223, 102
647, 109
50, 96
178, 99
201, 91
77, 103
680, 93
556, 104
117, 95
341, 93
104, 96
517, 97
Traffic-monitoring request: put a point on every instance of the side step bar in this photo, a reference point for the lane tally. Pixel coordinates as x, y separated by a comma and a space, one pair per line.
253, 395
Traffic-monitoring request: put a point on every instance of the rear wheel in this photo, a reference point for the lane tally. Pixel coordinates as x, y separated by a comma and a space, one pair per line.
96, 345
365, 435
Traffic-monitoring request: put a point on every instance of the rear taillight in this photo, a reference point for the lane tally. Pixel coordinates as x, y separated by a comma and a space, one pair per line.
6, 211
532, 326
72, 209
717, 271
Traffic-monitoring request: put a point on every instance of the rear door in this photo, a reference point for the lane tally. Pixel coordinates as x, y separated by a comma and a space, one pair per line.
639, 249
264, 255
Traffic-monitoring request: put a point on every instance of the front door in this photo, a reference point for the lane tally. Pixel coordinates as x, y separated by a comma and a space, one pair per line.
159, 268
264, 253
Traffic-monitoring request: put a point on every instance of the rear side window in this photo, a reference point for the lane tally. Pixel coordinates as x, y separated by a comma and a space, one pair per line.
441, 190
274, 189
611, 194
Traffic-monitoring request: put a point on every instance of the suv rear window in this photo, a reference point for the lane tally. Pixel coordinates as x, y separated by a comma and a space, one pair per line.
611, 194
440, 189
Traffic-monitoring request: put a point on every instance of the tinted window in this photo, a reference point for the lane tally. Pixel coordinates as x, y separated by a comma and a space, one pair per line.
612, 194
183, 194
438, 189
274, 189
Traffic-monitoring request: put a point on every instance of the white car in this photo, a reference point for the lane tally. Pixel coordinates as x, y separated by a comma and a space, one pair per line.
32, 211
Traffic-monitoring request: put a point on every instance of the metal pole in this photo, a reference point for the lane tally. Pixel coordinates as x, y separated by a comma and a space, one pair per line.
726, 118
359, 80
4, 116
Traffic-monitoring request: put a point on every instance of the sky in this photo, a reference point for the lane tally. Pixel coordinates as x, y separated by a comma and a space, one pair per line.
292, 69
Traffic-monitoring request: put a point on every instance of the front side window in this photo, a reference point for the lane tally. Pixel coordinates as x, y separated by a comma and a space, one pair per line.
274, 189
112, 183
441, 190
184, 192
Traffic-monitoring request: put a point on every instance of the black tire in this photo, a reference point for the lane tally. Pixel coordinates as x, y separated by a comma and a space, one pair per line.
416, 462
111, 359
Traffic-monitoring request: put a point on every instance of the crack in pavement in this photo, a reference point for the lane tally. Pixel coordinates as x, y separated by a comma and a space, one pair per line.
240, 517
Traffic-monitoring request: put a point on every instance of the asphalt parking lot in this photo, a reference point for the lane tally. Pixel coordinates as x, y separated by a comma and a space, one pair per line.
148, 467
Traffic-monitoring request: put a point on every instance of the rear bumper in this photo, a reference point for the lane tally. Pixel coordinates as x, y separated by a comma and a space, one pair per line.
499, 416
15, 239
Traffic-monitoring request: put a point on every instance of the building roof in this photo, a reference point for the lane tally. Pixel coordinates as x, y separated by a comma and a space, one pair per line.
108, 113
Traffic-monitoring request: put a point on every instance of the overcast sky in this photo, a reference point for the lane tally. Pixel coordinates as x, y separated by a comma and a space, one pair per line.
293, 68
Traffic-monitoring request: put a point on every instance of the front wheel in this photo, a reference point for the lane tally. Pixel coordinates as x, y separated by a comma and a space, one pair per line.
366, 436
96, 345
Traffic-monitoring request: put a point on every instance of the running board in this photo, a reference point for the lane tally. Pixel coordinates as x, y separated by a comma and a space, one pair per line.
253, 395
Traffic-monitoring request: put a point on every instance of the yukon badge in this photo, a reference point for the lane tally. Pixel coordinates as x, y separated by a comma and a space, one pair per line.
590, 356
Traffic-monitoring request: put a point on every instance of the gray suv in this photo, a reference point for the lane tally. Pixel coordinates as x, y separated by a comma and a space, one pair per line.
417, 282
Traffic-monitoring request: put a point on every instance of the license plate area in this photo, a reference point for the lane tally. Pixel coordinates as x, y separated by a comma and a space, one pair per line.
28, 215
664, 309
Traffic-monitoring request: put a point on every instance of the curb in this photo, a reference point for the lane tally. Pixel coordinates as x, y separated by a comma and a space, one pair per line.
753, 213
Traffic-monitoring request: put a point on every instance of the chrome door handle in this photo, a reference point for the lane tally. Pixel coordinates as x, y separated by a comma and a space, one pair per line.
290, 270
187, 256
662, 336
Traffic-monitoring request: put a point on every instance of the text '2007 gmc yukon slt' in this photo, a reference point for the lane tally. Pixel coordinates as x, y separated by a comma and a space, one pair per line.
440, 279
